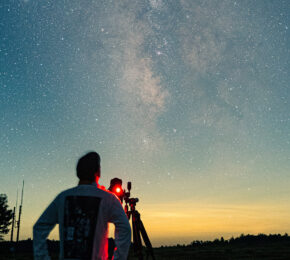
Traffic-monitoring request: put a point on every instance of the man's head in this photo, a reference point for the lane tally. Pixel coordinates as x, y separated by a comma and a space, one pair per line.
88, 167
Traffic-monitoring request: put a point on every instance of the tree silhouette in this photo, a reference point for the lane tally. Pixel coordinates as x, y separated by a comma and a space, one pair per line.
5, 216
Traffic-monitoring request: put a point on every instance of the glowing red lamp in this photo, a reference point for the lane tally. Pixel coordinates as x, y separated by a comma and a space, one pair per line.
118, 190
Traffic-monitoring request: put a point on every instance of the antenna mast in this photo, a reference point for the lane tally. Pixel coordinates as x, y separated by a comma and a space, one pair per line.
13, 218
19, 216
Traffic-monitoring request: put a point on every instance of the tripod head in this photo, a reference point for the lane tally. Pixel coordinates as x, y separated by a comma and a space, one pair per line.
132, 201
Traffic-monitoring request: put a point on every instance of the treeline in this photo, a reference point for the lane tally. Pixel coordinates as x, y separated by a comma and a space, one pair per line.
242, 240
26, 246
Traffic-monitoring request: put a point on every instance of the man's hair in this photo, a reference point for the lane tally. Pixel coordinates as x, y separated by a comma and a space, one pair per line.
88, 165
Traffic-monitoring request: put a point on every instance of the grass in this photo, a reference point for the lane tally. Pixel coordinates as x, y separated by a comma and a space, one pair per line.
203, 253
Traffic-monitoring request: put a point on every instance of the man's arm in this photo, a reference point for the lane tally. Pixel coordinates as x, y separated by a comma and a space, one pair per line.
122, 230
41, 230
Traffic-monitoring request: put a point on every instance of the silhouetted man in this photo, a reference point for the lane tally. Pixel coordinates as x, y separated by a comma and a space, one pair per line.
83, 213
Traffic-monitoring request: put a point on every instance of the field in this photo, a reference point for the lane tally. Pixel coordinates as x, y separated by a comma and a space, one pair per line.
261, 247
174, 253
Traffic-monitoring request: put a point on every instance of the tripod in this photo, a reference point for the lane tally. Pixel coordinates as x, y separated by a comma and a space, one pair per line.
138, 230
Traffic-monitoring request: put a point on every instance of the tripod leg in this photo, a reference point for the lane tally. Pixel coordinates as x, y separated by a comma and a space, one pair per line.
145, 236
136, 237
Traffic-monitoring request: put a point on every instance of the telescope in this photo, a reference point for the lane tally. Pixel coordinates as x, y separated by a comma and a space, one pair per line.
117, 189
131, 212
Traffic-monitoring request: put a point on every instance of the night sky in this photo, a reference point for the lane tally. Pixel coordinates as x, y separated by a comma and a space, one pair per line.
187, 99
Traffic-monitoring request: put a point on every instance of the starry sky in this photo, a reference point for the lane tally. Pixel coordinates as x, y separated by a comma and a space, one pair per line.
187, 99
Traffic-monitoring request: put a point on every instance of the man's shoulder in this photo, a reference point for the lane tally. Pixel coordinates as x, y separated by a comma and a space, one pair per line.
66, 192
106, 192
87, 190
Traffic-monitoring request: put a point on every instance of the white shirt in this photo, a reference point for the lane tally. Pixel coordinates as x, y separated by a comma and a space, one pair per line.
83, 214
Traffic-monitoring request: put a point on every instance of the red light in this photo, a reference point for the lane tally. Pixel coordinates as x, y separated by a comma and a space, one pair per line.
118, 190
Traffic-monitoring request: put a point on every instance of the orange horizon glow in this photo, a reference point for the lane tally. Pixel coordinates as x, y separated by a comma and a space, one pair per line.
176, 223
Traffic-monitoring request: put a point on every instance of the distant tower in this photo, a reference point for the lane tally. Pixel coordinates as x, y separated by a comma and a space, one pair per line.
14, 217
12, 229
19, 216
